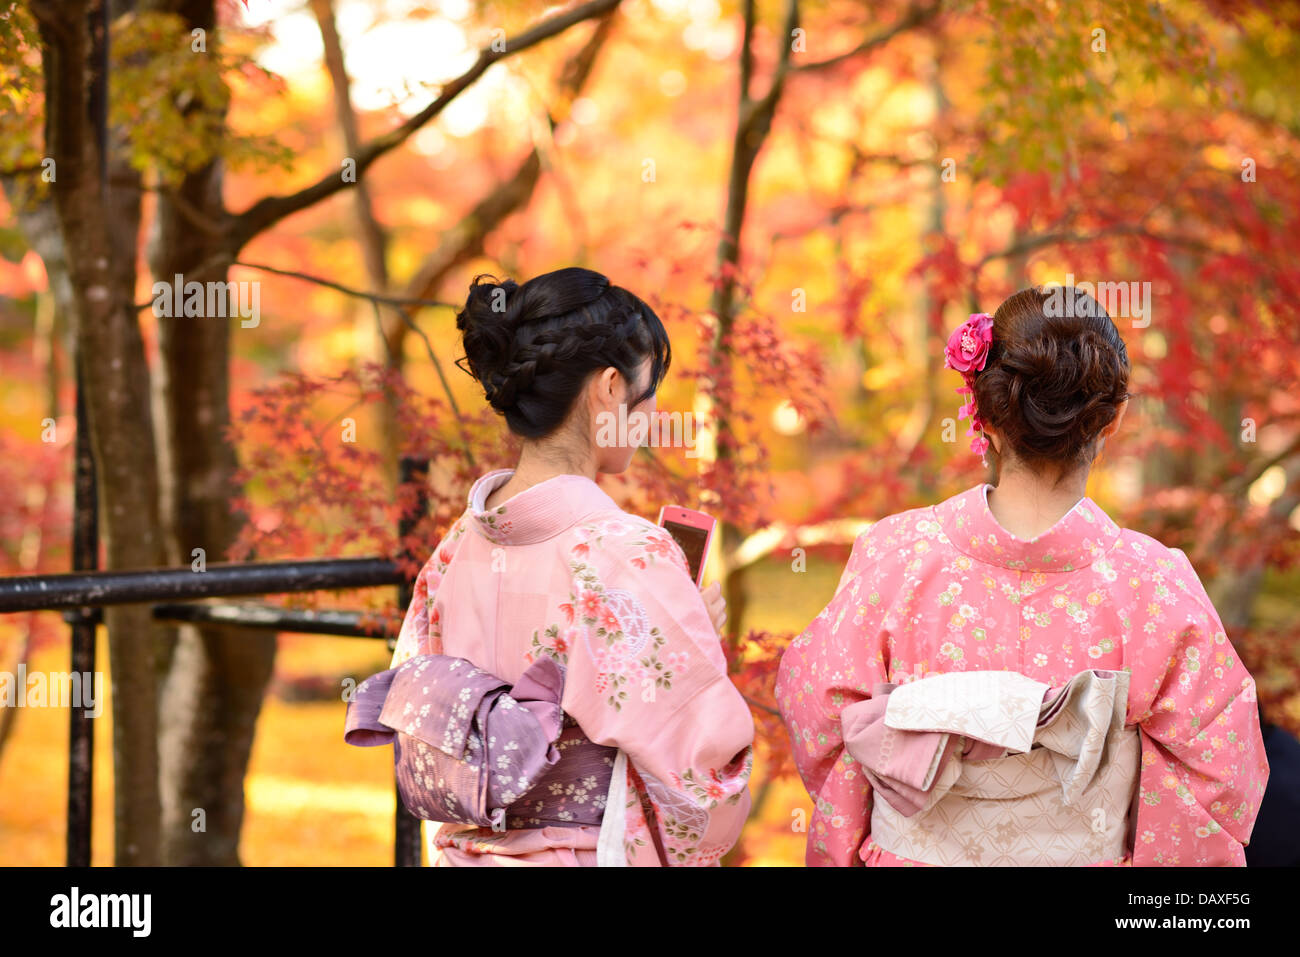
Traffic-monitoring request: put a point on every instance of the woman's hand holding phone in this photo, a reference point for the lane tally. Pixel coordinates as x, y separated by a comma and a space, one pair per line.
693, 532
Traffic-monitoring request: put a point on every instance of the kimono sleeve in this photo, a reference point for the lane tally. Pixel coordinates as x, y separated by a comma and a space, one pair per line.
857, 562
825, 669
421, 633
646, 674
1203, 769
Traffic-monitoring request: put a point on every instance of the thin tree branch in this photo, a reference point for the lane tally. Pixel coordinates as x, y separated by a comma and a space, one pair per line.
379, 329
1243, 482
756, 115
747, 53
271, 209
760, 706
1033, 242
917, 15
406, 318
307, 277
192, 215
15, 171
373, 240
466, 239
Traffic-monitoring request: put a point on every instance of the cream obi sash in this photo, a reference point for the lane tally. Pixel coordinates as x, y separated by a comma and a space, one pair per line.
1061, 796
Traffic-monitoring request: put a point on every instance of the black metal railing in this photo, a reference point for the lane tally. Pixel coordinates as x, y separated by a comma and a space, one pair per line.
81, 595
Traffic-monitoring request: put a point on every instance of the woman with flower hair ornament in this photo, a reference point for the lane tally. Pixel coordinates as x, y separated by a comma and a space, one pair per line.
1009, 677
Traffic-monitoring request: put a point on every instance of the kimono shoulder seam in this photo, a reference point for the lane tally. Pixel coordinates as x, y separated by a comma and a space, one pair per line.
1195, 587
635, 525
630, 518
444, 541
882, 526
862, 563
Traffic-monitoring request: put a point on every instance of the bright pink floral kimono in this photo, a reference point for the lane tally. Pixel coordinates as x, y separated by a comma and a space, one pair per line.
560, 571
946, 588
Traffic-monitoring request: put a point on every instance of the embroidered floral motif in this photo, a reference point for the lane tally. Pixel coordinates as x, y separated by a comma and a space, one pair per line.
683, 840
660, 546
615, 627
710, 787
494, 526
625, 651
554, 643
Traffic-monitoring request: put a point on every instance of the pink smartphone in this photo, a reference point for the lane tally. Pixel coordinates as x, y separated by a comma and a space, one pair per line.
693, 531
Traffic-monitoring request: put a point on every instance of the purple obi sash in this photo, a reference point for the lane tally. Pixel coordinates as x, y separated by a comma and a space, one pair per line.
470, 749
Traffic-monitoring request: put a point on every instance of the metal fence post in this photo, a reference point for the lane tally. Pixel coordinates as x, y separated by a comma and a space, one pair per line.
81, 728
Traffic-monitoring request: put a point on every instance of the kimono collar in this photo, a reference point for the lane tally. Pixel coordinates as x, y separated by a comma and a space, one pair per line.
537, 513
1082, 536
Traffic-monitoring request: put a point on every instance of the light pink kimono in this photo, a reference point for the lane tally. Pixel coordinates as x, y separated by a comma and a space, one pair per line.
559, 570
946, 588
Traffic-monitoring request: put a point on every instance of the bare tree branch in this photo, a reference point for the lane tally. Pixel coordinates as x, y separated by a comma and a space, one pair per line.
270, 210
1037, 241
760, 706
466, 239
1249, 478
373, 240
22, 170
192, 215
753, 122
747, 52
307, 277
917, 15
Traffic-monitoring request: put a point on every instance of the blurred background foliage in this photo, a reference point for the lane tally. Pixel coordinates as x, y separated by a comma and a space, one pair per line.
809, 241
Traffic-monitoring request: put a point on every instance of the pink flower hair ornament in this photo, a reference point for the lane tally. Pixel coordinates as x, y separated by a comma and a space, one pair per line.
967, 352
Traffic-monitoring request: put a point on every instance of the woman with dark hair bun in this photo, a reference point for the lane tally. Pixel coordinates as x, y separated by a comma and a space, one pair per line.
534, 347
621, 739
1009, 677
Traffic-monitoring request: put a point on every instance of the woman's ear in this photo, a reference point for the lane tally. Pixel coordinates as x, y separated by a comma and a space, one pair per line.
1111, 429
604, 392
995, 440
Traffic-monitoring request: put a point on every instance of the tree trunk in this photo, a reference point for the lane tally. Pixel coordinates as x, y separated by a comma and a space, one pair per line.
753, 122
217, 676
115, 375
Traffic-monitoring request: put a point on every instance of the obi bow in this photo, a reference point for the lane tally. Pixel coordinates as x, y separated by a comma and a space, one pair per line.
466, 744
904, 736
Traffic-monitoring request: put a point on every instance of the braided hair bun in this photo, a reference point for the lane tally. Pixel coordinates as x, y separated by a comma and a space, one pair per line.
1056, 375
534, 346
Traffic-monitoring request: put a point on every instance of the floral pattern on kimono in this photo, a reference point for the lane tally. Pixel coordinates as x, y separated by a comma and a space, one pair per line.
612, 623
560, 571
421, 632
946, 588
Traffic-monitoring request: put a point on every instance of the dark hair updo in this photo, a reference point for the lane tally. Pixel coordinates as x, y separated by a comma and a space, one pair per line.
533, 347
1056, 374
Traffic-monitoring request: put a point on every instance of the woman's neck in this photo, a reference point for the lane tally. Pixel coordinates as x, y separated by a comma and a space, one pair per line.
1027, 505
536, 465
